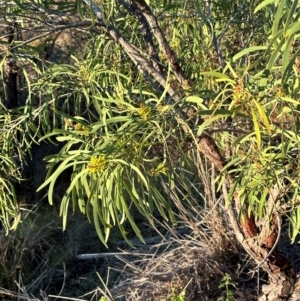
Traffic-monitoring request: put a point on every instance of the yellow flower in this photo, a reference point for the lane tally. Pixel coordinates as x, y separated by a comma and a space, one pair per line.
240, 94
68, 122
97, 164
81, 128
144, 112
279, 92
160, 169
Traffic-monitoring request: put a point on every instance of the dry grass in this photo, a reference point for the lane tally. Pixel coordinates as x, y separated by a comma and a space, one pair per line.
194, 262
193, 258
26, 253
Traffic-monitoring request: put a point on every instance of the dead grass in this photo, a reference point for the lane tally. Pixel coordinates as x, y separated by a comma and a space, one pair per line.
193, 258
194, 262
26, 254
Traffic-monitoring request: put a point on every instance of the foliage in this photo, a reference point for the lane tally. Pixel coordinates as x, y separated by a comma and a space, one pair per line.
225, 284
106, 170
16, 138
177, 297
123, 135
131, 103
265, 154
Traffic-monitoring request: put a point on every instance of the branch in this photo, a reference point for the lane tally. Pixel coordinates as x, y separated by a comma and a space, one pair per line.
134, 53
215, 39
141, 62
57, 28
146, 31
162, 42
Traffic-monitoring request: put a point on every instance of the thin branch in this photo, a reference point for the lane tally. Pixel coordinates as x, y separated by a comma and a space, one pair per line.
162, 42
134, 53
147, 35
215, 39
57, 28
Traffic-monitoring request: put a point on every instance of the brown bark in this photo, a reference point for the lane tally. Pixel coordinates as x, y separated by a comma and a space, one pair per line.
161, 40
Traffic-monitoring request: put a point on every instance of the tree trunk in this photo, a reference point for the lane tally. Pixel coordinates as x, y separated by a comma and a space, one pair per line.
258, 237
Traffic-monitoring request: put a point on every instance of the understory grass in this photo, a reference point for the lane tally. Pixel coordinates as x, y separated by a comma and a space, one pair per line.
187, 263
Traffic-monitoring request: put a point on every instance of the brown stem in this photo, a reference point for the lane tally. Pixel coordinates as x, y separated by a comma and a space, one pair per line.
162, 41
147, 34
258, 244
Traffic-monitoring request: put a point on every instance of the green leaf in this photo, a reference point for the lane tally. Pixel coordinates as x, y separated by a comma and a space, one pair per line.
141, 176
195, 99
293, 29
274, 41
262, 202
292, 10
96, 210
64, 165
290, 100
218, 75
275, 55
278, 17
132, 223
263, 116
256, 128
247, 51
287, 53
263, 4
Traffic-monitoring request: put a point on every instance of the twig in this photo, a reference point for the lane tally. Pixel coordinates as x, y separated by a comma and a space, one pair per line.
215, 39
58, 28
161, 40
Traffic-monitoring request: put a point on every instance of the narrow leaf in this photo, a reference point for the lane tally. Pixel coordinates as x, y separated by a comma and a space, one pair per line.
256, 128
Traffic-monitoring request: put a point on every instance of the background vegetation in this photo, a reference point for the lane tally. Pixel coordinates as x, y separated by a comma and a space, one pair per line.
149, 113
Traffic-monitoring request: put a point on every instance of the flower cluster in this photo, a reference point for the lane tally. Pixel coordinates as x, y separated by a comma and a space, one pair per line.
97, 164
160, 169
240, 94
144, 112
